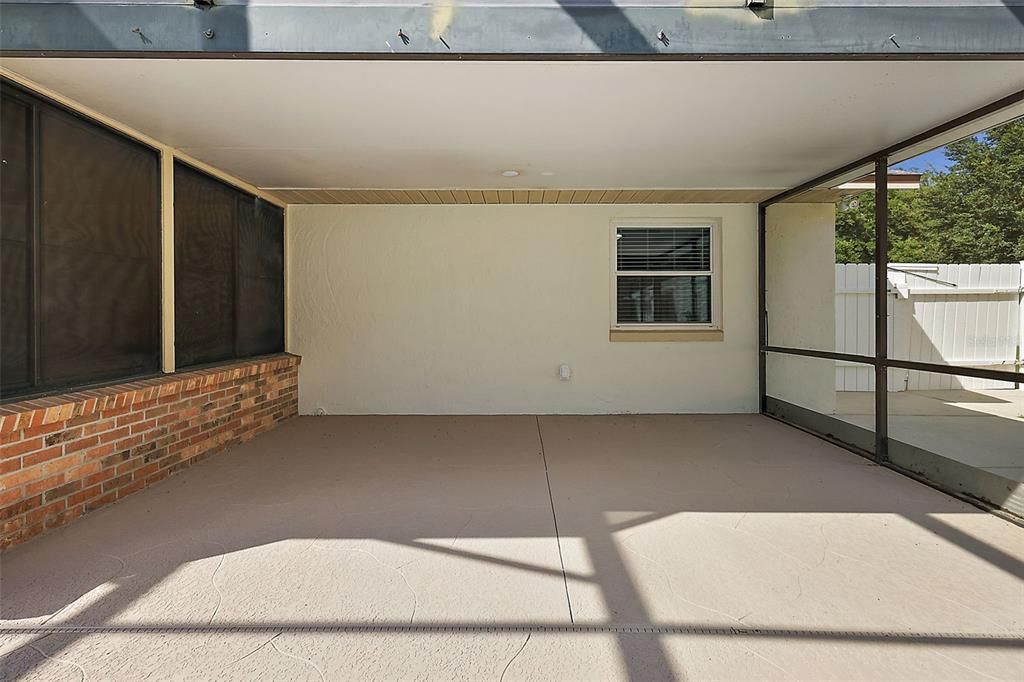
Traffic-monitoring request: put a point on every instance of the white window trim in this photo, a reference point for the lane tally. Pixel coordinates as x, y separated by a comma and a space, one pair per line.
715, 273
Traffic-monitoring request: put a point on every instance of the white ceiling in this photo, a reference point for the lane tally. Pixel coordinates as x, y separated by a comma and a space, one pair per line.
448, 124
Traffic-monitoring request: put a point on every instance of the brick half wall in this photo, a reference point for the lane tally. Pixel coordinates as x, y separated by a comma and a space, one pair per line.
65, 455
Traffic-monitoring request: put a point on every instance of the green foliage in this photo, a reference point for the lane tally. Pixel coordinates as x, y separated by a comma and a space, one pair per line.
972, 213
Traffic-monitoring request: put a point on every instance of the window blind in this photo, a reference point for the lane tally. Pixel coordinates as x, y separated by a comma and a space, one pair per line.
663, 275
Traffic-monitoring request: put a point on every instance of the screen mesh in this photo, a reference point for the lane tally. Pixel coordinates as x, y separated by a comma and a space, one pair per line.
229, 271
99, 243
205, 228
15, 243
81, 250
260, 278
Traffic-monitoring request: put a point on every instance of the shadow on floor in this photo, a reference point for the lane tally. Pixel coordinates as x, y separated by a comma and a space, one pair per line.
731, 528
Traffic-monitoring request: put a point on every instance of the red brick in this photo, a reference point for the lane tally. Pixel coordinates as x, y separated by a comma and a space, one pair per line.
59, 465
62, 436
132, 487
98, 427
98, 477
23, 476
101, 501
99, 451
82, 470
10, 496
115, 434
62, 491
129, 443
31, 432
117, 482
44, 484
84, 495
131, 418
20, 447
81, 444
148, 424
120, 439
42, 456
40, 514
157, 411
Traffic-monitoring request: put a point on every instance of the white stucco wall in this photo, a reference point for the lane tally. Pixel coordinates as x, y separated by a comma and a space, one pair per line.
471, 309
801, 302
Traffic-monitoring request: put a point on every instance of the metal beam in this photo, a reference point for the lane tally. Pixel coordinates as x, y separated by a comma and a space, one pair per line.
762, 308
881, 308
821, 354
1011, 100
563, 30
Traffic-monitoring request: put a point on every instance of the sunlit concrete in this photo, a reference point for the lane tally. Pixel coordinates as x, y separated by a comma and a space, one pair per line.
758, 551
981, 428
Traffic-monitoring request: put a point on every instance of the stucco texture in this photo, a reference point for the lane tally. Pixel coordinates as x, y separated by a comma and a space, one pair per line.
800, 274
471, 310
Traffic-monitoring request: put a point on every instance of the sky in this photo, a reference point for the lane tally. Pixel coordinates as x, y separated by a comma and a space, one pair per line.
935, 160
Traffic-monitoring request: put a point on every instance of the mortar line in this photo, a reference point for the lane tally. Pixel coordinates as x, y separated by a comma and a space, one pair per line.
554, 518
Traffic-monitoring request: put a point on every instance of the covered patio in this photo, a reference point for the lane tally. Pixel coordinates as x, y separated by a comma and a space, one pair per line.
589, 547
500, 340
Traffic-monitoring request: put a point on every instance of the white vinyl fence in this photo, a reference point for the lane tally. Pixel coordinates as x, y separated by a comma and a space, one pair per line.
962, 315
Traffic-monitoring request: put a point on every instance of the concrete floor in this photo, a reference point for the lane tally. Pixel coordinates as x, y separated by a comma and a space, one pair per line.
425, 548
984, 429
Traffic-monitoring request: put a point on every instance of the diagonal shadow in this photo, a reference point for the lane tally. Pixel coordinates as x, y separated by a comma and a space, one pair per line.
690, 629
982, 550
608, 28
640, 645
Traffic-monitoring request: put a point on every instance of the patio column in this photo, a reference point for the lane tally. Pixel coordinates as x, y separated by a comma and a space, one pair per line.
167, 259
881, 308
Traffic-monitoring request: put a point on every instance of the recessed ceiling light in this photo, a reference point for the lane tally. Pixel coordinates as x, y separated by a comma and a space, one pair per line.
510, 173
547, 173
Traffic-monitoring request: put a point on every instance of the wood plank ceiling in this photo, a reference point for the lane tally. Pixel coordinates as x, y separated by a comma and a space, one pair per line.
540, 196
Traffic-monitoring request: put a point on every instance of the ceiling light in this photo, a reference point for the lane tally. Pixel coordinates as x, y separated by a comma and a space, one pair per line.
510, 173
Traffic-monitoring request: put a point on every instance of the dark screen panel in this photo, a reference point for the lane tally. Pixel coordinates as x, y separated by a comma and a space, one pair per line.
99, 240
79, 249
228, 271
205, 229
260, 278
15, 242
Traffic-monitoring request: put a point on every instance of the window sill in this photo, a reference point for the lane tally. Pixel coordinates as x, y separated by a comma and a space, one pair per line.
663, 335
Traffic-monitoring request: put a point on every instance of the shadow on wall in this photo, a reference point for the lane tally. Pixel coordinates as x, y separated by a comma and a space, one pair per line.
1016, 9
608, 28
407, 492
211, 28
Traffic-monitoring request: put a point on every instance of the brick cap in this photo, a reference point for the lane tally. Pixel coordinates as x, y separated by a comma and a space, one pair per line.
47, 410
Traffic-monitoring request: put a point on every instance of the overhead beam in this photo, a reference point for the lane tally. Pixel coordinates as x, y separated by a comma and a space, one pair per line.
564, 30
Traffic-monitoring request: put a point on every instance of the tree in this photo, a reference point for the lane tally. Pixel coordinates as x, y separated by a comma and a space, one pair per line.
971, 213
908, 243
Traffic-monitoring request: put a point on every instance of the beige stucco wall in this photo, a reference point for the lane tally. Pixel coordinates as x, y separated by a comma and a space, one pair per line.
801, 301
471, 309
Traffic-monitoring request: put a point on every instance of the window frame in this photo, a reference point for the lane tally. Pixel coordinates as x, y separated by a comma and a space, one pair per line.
715, 273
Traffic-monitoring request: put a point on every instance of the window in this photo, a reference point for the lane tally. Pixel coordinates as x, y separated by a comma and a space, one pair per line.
79, 250
665, 276
228, 271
